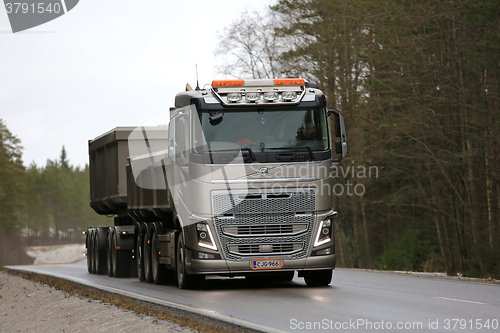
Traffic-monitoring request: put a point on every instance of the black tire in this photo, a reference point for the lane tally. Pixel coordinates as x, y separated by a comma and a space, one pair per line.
99, 257
94, 254
185, 280
88, 240
108, 255
120, 260
139, 258
318, 278
148, 276
158, 270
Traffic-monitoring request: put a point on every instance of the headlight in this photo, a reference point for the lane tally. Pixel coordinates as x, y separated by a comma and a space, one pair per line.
205, 238
324, 233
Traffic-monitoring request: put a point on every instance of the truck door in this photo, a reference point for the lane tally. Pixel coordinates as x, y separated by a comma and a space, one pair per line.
340, 132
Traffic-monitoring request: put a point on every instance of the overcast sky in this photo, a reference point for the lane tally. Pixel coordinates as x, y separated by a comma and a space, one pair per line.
103, 65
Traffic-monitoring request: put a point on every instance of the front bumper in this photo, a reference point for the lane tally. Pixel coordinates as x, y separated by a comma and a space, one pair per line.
220, 267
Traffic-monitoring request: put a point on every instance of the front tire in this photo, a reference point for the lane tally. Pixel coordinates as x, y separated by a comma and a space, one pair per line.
185, 280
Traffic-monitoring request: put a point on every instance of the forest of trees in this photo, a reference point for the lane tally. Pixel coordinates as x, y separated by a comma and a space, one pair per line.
40, 205
418, 84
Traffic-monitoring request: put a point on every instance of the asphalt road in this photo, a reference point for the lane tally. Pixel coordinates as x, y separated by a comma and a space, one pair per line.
356, 301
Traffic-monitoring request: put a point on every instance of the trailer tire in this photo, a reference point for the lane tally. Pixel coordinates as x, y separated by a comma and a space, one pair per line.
185, 280
146, 249
319, 278
99, 257
88, 242
159, 271
139, 260
109, 255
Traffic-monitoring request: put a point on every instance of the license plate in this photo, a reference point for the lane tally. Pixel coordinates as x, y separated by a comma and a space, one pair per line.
266, 263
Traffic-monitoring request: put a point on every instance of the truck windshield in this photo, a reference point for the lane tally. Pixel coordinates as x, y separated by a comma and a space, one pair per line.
260, 130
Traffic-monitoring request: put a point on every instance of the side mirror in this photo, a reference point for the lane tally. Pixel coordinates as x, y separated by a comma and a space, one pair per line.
340, 132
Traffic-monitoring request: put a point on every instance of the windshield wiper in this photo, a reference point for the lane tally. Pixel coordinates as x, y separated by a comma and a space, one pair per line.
293, 148
250, 151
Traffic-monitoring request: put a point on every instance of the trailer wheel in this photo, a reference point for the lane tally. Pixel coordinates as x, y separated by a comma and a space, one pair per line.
99, 257
185, 280
109, 255
318, 278
88, 241
93, 246
159, 271
139, 258
146, 249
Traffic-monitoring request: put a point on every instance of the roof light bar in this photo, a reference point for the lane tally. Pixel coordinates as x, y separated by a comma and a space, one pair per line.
256, 83
289, 82
227, 83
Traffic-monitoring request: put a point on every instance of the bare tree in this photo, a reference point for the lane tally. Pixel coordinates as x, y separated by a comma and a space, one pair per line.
251, 48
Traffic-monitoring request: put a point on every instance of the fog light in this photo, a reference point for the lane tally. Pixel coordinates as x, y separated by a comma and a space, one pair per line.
203, 235
324, 252
203, 255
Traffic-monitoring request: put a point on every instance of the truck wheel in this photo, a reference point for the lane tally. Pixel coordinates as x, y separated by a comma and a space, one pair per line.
146, 249
99, 257
139, 258
185, 280
109, 255
159, 271
318, 278
94, 250
88, 240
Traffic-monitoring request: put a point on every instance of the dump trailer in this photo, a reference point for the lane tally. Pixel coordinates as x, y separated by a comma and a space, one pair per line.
236, 183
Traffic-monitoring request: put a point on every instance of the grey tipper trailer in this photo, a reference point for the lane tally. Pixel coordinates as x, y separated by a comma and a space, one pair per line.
236, 184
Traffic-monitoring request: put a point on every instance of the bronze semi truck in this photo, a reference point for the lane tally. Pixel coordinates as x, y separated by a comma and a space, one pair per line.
235, 183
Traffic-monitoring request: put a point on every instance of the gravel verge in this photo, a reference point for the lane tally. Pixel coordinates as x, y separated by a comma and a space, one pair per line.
38, 303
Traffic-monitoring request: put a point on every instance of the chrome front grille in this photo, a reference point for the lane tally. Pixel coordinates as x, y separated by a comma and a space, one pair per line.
252, 249
264, 222
259, 230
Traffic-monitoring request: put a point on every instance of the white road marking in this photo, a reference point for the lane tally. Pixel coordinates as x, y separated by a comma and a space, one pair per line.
460, 300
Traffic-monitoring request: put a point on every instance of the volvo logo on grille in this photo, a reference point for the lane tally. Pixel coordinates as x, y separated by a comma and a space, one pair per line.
263, 171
